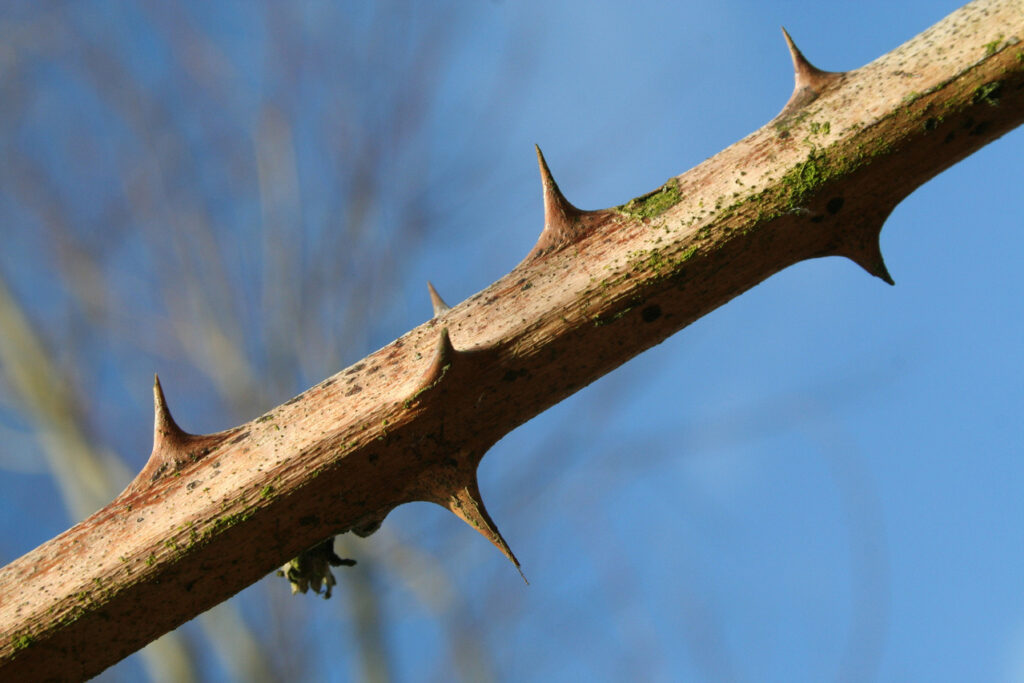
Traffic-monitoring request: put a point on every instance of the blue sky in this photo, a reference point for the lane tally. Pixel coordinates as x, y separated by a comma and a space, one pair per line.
819, 480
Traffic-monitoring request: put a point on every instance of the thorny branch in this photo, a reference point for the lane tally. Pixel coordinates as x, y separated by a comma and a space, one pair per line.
411, 421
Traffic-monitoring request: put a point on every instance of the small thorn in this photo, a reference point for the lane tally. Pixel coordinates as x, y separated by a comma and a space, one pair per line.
443, 355
868, 255
445, 351
173, 447
876, 266
440, 307
809, 80
165, 430
561, 219
468, 506
880, 271
805, 74
559, 214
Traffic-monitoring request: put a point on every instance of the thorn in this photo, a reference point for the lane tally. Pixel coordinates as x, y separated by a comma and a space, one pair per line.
559, 214
465, 364
468, 506
805, 74
166, 431
443, 356
440, 307
808, 80
173, 447
561, 219
871, 261
862, 241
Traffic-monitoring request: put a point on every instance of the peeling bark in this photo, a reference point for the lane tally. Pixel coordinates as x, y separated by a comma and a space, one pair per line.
211, 514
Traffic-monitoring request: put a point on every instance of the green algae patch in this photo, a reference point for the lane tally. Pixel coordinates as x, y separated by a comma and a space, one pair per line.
806, 177
989, 93
21, 641
654, 203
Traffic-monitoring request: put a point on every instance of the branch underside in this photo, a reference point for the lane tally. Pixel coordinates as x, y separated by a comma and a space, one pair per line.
211, 514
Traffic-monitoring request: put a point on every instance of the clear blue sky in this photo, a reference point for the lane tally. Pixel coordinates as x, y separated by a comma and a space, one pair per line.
820, 480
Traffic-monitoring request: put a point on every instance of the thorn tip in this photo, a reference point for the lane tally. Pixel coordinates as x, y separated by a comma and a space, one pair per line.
561, 218
440, 307
443, 354
868, 255
808, 80
165, 429
468, 505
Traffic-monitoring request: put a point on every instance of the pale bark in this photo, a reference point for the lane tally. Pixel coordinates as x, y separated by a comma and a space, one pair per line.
211, 514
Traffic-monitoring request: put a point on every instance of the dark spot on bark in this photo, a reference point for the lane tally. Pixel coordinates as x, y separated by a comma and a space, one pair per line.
651, 313
327, 382
931, 124
192, 484
835, 205
372, 370
355, 368
372, 457
526, 286
240, 437
949, 137
817, 219
354, 390
981, 128
292, 400
513, 375
309, 520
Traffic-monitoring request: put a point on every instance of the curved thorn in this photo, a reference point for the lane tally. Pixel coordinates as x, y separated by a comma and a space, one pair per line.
558, 212
165, 430
468, 506
871, 260
443, 355
561, 218
808, 80
173, 447
805, 74
440, 307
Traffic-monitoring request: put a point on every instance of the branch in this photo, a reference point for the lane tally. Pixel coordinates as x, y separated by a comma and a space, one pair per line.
211, 514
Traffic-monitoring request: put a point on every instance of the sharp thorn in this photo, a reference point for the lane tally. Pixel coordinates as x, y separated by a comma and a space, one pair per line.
468, 506
808, 80
559, 214
165, 430
561, 218
805, 74
443, 355
867, 252
440, 307
173, 447
875, 265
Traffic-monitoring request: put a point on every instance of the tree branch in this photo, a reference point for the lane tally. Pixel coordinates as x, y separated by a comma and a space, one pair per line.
211, 514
